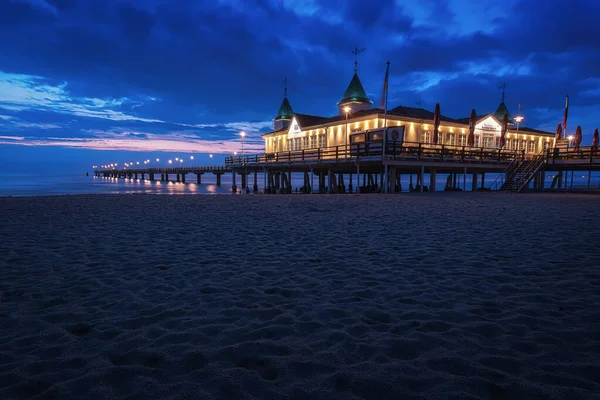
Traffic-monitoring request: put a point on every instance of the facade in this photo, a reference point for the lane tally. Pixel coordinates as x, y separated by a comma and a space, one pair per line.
295, 132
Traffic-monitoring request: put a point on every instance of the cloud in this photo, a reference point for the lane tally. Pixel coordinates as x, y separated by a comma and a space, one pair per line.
166, 71
22, 92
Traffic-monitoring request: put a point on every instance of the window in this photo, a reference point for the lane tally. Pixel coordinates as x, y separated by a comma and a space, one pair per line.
477, 137
323, 140
488, 141
462, 140
297, 144
531, 147
425, 137
450, 139
507, 145
289, 144
313, 141
305, 142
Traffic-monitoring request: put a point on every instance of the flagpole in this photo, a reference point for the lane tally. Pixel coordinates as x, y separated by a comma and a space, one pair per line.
385, 107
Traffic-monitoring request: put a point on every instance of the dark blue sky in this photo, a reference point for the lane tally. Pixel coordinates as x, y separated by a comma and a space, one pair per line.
99, 81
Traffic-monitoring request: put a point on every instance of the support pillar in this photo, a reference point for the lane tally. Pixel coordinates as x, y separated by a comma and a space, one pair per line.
218, 179
255, 186
465, 180
483, 180
421, 177
474, 184
392, 180
198, 178
432, 178
233, 183
183, 178
350, 183
330, 181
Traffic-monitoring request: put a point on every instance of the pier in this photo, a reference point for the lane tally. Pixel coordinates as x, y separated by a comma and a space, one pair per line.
366, 168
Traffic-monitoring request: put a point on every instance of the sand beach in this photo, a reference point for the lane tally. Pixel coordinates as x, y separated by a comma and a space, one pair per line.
411, 296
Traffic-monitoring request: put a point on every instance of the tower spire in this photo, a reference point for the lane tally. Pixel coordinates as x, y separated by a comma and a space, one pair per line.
356, 52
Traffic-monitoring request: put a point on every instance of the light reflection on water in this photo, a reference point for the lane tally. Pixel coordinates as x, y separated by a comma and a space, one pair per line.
23, 184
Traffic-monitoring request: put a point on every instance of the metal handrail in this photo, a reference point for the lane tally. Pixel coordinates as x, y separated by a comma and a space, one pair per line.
510, 168
533, 167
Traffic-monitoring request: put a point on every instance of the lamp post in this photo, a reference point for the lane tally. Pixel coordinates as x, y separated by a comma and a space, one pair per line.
346, 110
570, 140
210, 156
243, 135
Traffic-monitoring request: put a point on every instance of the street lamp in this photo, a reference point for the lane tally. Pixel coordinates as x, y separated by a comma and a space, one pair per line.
157, 160
243, 135
191, 157
346, 110
570, 140
170, 161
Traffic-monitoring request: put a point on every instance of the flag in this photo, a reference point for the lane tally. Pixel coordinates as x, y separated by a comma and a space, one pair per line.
566, 115
385, 87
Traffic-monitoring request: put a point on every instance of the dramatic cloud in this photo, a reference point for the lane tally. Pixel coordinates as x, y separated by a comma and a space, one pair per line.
159, 75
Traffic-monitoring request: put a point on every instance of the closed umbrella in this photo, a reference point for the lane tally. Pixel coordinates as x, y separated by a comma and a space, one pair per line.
503, 131
436, 124
578, 137
471, 137
595, 142
559, 132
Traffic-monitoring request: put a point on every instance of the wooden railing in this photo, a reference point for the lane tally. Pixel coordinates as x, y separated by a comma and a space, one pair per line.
583, 155
366, 151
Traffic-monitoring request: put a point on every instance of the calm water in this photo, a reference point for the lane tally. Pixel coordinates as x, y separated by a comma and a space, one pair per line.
12, 184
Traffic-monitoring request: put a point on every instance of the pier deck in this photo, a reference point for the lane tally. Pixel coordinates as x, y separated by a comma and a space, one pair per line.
378, 168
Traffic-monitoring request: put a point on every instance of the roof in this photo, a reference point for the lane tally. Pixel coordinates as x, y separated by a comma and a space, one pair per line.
501, 111
523, 129
285, 111
417, 113
306, 120
355, 93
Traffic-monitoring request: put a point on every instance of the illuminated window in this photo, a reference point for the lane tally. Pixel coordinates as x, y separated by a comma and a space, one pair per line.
451, 139
462, 140
425, 137
305, 142
531, 146
298, 144
323, 140
477, 137
313, 141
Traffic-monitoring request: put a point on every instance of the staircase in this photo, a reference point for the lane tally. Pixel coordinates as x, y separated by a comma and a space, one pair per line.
518, 178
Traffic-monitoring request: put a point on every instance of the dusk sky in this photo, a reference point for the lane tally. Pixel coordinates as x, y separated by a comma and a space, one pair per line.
100, 81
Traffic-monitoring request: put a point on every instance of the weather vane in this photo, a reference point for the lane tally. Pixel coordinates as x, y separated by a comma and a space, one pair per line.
285, 87
356, 52
503, 86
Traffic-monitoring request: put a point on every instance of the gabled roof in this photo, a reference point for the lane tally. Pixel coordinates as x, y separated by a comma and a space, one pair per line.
501, 111
285, 111
355, 93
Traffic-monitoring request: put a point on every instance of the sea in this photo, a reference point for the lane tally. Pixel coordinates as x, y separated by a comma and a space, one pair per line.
32, 184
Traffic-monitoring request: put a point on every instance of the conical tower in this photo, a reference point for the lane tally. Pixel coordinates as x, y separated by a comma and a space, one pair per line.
285, 114
501, 111
354, 97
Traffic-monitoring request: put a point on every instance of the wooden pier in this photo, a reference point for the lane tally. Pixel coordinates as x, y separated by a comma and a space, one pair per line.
367, 168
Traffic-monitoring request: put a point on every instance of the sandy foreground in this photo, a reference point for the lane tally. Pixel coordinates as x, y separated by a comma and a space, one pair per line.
434, 295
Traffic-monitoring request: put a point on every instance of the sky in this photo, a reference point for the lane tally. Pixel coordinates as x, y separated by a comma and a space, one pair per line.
91, 82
